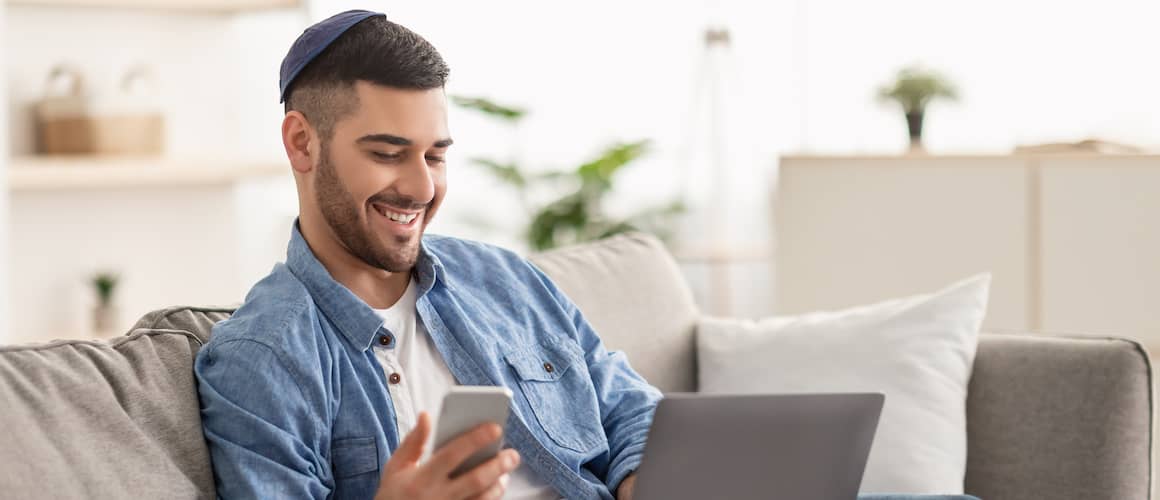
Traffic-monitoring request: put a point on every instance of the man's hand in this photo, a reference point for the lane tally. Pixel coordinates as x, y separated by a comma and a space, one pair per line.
624, 491
405, 479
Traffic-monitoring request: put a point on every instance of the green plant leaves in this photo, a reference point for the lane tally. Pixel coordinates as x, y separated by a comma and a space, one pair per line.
487, 107
598, 172
576, 214
915, 87
105, 284
507, 172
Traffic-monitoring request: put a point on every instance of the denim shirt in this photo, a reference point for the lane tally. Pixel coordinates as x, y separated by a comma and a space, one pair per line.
294, 403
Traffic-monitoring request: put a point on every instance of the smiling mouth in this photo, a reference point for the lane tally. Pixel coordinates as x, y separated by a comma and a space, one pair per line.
401, 218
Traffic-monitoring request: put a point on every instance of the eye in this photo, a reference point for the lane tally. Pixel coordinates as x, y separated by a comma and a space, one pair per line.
386, 156
438, 160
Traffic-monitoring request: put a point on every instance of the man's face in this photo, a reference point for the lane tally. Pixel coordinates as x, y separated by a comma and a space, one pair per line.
382, 176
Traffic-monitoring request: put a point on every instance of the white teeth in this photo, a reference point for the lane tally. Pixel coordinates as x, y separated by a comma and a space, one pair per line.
398, 217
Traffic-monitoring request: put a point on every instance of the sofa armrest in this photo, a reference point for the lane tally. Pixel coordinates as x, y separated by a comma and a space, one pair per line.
1059, 417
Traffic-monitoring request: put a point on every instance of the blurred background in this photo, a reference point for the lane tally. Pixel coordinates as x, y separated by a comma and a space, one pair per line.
795, 155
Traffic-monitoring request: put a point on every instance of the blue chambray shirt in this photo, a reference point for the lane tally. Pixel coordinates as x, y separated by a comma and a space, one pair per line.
294, 403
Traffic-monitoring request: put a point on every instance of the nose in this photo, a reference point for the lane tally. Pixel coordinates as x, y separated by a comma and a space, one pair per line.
415, 181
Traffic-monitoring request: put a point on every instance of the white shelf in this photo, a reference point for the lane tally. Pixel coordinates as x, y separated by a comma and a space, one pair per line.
213, 6
27, 174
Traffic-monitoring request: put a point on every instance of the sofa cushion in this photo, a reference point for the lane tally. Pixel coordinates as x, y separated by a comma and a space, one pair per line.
918, 351
632, 292
114, 419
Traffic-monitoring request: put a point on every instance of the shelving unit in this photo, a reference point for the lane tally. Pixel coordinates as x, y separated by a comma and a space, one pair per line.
197, 224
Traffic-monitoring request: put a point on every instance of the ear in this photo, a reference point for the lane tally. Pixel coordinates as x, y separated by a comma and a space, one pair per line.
300, 141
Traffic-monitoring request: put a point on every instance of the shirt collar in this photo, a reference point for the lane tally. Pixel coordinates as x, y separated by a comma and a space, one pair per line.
353, 317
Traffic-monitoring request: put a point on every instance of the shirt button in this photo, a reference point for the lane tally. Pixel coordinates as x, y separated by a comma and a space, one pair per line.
549, 368
395, 378
386, 340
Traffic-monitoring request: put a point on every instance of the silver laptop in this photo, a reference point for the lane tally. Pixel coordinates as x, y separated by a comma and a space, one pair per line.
807, 446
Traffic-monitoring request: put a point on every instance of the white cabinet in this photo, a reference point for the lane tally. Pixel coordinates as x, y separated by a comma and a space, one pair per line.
1101, 247
1072, 241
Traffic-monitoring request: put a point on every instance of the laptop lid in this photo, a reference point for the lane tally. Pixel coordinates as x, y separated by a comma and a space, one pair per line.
764, 447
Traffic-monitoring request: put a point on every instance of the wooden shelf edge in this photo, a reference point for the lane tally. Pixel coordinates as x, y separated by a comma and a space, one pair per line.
43, 174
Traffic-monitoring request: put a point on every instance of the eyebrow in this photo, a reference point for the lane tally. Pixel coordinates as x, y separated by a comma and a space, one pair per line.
400, 141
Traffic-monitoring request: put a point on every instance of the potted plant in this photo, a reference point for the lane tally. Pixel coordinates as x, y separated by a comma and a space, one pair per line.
105, 312
913, 89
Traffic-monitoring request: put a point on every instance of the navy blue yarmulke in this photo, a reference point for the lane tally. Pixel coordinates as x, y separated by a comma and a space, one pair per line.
314, 40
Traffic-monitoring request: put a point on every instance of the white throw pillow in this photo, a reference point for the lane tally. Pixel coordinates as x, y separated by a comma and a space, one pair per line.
917, 350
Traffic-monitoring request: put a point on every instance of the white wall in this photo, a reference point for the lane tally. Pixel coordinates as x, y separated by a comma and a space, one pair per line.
1029, 70
594, 73
4, 277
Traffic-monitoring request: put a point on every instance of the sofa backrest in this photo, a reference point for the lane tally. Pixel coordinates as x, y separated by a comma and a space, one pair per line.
632, 292
198, 321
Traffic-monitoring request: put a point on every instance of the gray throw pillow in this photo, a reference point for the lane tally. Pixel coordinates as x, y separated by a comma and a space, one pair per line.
115, 419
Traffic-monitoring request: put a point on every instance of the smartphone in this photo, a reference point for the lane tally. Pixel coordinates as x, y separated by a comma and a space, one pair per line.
466, 407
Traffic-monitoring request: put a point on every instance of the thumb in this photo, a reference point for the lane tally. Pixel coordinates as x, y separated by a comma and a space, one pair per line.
411, 449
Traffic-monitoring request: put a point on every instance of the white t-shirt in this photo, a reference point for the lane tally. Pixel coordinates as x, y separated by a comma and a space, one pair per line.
418, 378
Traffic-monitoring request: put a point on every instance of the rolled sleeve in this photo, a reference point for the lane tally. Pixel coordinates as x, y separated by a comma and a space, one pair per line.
627, 404
263, 434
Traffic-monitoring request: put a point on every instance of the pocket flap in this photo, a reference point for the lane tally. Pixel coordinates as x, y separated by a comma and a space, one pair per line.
545, 363
354, 456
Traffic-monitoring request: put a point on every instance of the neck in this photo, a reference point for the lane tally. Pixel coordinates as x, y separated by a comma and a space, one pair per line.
379, 288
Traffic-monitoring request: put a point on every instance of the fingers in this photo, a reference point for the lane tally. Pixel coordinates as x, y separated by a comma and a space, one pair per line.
411, 449
482, 479
495, 492
447, 458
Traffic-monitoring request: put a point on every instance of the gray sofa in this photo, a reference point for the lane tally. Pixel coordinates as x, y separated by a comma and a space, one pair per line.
1048, 417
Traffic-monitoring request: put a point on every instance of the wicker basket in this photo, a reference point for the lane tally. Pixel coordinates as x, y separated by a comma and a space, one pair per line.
76, 123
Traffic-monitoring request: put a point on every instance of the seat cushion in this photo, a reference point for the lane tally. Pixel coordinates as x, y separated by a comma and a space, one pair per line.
114, 419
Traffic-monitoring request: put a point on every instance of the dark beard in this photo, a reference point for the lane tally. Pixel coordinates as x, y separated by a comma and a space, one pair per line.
341, 213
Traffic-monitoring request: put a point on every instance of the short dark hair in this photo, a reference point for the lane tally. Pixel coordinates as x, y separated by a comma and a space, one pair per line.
374, 50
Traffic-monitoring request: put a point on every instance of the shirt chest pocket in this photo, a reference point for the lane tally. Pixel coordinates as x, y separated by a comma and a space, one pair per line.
555, 381
354, 456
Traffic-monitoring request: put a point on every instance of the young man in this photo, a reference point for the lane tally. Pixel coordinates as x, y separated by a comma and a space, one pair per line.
320, 385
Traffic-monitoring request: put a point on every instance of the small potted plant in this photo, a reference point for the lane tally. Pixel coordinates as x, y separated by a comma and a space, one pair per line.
105, 313
913, 89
